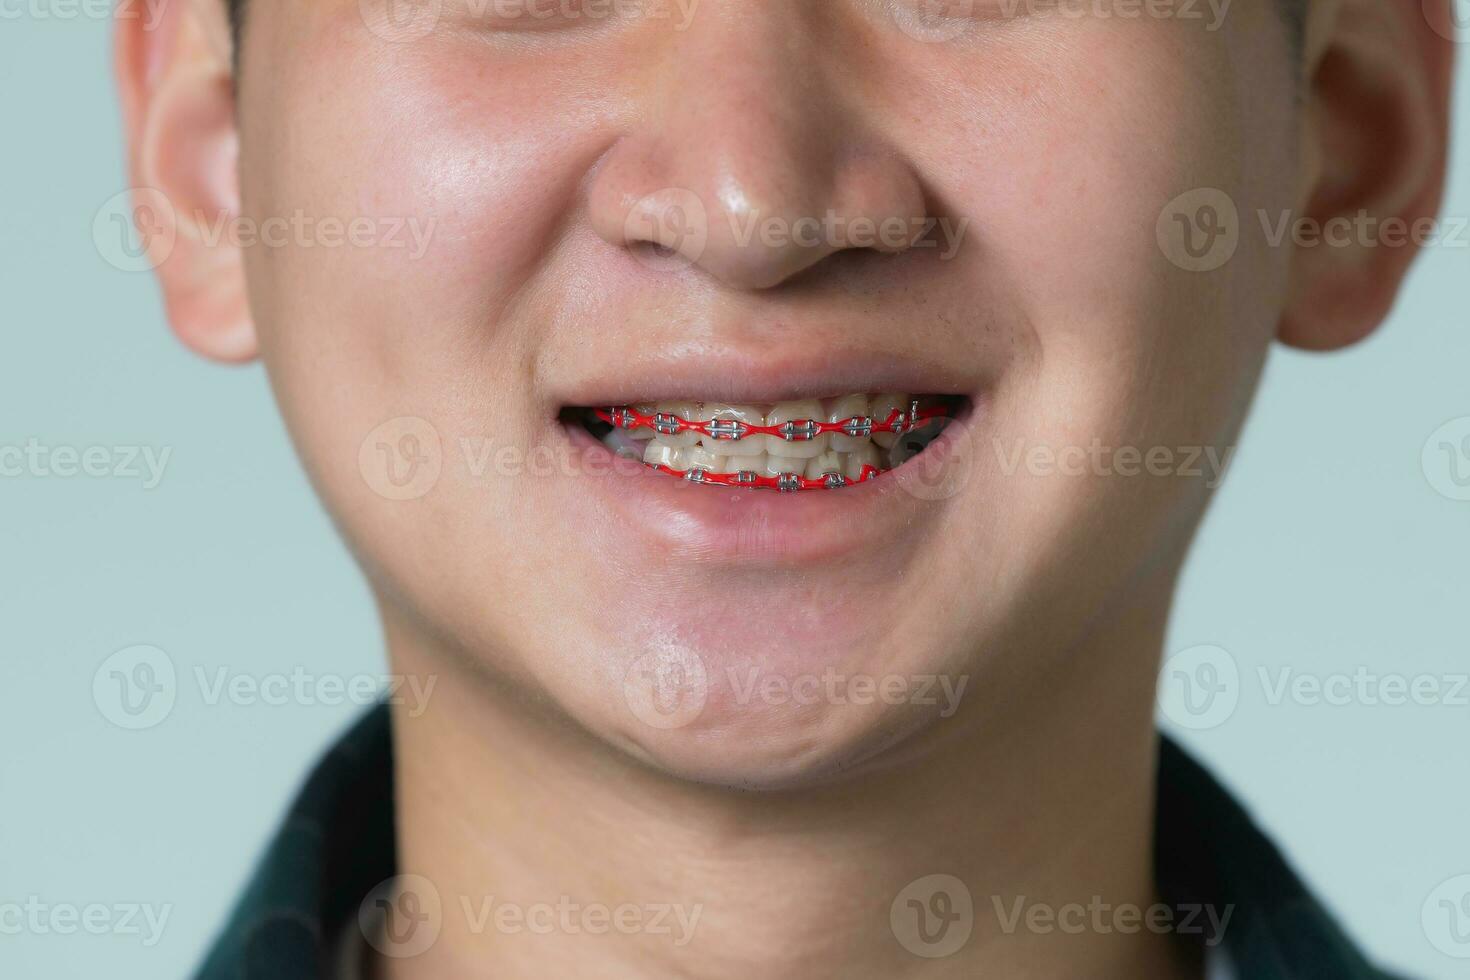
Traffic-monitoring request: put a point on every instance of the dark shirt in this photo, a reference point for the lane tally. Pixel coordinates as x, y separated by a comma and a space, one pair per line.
337, 845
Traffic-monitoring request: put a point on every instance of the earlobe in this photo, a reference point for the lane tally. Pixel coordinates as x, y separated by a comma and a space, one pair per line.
178, 102
1374, 144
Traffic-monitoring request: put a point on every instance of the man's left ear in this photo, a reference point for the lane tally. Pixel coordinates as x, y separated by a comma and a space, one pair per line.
1375, 136
175, 81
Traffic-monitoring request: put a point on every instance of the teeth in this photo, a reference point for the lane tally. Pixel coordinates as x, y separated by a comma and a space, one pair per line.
682, 458
643, 408
796, 412
883, 406
695, 458
765, 455
741, 464
685, 410
828, 462
659, 454
620, 441
776, 465
842, 409
715, 411
849, 465
855, 461
915, 442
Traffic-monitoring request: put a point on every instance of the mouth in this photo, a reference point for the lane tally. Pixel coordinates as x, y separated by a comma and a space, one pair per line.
808, 444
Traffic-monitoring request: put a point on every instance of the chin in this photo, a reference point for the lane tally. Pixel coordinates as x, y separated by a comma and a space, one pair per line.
781, 705
786, 748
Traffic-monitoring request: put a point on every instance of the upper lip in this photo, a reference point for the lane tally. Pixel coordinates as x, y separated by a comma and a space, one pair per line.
745, 373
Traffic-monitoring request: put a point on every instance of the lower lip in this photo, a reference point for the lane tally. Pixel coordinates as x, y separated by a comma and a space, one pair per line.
689, 522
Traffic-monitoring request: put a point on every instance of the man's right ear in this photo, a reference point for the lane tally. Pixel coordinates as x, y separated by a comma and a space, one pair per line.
178, 99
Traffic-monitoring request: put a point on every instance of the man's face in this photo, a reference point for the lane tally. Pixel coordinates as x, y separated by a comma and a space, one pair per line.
540, 153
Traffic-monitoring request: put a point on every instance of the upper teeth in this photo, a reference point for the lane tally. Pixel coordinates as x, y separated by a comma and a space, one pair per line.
797, 440
726, 444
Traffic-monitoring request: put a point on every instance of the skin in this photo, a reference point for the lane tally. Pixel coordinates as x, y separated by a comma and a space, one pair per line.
536, 596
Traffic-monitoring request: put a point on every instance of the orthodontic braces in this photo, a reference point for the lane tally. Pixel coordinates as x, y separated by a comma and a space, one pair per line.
796, 430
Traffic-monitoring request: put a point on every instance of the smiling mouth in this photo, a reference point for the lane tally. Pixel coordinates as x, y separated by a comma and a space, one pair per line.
790, 446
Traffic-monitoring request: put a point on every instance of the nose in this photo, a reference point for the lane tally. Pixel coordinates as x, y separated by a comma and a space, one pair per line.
750, 161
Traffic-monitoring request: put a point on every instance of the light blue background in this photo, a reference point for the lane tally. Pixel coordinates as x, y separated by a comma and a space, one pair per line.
1328, 550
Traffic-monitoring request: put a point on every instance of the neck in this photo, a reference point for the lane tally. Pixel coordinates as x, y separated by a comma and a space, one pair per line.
554, 854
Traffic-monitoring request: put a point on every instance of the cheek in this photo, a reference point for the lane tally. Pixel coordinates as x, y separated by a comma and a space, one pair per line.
479, 165
463, 176
1093, 129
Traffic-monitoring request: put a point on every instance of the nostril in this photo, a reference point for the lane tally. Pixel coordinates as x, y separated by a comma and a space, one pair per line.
654, 251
